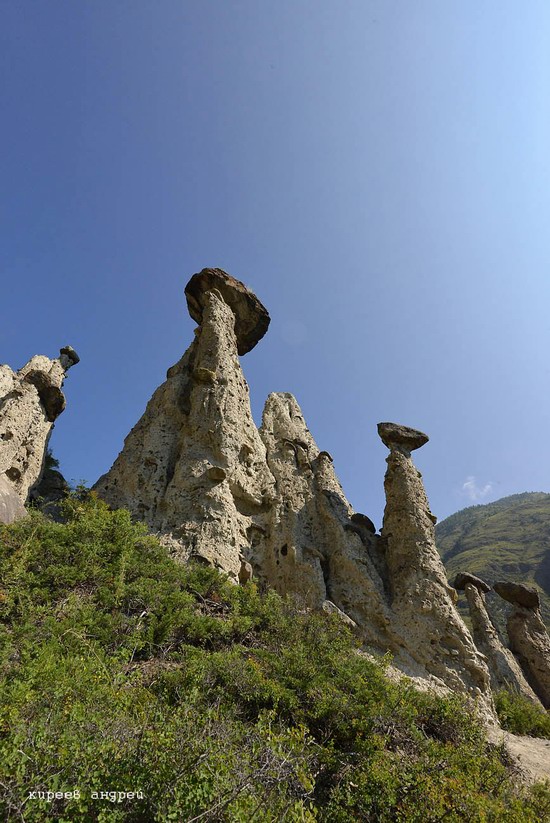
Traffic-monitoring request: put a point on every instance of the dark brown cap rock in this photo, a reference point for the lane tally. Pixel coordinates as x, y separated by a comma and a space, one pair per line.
392, 434
463, 578
518, 594
70, 355
251, 317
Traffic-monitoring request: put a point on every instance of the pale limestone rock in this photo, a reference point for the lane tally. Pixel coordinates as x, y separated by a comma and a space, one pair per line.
11, 507
310, 546
503, 668
421, 599
268, 504
194, 467
530, 642
30, 401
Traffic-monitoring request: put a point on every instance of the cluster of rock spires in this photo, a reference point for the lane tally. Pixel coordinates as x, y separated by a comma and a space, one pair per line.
30, 402
266, 503
525, 667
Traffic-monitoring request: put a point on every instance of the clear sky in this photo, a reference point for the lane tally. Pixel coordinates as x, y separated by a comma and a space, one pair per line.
377, 172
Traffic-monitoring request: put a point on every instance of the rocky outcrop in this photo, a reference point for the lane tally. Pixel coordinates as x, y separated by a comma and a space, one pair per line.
30, 401
464, 579
518, 594
503, 668
530, 642
528, 637
420, 596
267, 503
194, 467
11, 507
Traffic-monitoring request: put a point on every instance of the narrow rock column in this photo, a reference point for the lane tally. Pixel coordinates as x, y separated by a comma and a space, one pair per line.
503, 668
30, 402
421, 597
528, 637
194, 466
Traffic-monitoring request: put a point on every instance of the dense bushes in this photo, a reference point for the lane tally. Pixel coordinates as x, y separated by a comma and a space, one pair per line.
122, 671
519, 716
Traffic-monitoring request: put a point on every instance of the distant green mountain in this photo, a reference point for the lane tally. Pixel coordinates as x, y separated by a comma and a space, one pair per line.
505, 540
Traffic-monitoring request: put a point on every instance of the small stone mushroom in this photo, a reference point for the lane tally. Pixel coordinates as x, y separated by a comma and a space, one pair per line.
68, 357
518, 594
463, 578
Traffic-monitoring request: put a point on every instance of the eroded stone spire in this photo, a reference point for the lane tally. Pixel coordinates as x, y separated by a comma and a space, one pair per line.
194, 467
503, 668
421, 598
528, 637
268, 504
30, 402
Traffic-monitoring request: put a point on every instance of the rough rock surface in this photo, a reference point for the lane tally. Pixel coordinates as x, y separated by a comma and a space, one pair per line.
518, 594
30, 401
421, 597
530, 642
393, 435
11, 507
464, 578
503, 668
251, 317
194, 466
267, 504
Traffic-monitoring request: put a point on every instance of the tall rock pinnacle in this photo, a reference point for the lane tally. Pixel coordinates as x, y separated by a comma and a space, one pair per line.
30, 401
528, 637
267, 503
421, 598
194, 467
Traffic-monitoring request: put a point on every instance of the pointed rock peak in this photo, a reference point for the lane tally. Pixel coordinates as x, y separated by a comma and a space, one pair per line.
251, 317
392, 435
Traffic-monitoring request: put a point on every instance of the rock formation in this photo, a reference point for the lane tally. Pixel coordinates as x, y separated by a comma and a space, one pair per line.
194, 467
420, 595
11, 507
463, 578
30, 401
503, 668
267, 503
517, 593
528, 637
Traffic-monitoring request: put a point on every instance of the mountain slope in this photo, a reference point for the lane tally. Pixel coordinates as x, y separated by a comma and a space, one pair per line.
505, 540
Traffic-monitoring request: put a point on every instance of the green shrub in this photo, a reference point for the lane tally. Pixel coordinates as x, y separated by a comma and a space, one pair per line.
123, 671
519, 716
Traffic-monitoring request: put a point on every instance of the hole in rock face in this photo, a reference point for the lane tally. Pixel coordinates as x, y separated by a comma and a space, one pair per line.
284, 550
13, 473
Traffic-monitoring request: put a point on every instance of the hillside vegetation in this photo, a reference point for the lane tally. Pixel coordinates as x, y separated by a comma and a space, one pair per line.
123, 672
505, 540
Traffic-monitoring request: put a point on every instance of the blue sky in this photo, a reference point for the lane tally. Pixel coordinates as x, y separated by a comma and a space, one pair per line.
377, 172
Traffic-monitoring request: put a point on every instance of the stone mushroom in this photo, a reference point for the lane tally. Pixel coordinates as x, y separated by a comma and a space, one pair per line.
251, 317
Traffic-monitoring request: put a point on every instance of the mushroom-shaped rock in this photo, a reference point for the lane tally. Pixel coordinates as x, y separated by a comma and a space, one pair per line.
251, 317
392, 435
463, 578
68, 357
517, 593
